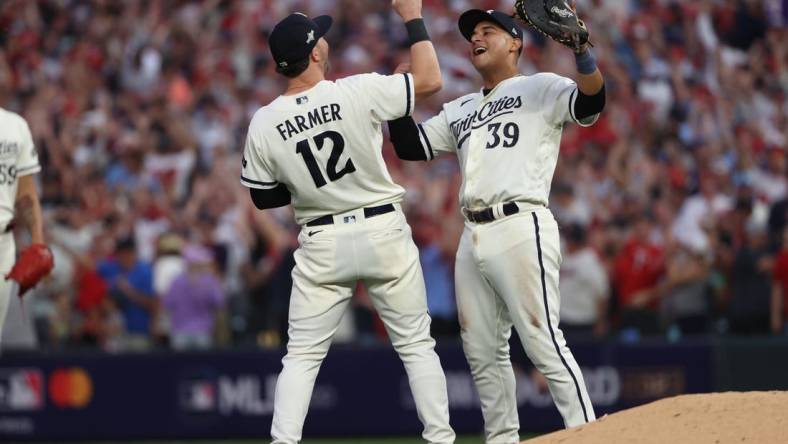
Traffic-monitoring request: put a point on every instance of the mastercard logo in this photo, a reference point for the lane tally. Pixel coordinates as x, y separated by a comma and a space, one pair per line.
70, 388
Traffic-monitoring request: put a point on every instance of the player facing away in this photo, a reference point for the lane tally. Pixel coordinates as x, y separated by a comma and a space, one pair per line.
19, 206
318, 145
506, 137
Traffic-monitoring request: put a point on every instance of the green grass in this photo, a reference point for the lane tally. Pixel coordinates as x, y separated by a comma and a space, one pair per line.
460, 440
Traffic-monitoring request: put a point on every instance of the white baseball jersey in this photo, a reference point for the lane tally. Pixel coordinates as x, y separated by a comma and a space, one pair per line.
507, 272
18, 158
324, 144
485, 133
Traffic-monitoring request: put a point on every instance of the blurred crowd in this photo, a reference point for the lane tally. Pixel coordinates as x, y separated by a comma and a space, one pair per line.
673, 207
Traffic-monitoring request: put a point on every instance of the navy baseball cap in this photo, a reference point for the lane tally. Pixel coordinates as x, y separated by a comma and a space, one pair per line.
469, 20
294, 37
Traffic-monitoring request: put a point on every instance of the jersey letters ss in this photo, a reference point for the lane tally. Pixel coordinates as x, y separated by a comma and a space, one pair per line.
485, 132
18, 158
324, 144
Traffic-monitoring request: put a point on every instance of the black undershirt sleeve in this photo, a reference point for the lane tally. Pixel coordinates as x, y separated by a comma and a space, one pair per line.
404, 134
587, 106
273, 198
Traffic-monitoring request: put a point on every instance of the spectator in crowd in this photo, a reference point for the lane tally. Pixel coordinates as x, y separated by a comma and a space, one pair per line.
130, 285
194, 300
638, 267
266, 277
167, 266
568, 207
778, 314
583, 287
700, 211
437, 264
684, 292
749, 304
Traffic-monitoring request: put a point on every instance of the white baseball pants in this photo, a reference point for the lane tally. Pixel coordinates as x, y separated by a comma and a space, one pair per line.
380, 252
7, 258
507, 275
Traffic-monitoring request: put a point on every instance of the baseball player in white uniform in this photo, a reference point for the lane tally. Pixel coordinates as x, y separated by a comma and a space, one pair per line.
319, 146
19, 205
506, 138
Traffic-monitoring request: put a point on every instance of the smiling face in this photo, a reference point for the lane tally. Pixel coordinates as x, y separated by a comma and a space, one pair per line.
493, 48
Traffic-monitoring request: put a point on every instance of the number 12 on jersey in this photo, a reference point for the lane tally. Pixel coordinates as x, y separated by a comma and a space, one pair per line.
338, 143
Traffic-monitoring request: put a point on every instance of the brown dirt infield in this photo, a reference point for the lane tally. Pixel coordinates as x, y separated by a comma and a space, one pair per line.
714, 418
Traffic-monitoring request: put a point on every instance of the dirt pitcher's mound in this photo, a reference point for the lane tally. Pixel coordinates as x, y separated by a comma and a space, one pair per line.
715, 418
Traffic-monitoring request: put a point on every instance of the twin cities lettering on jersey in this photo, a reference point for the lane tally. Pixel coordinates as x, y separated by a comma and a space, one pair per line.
8, 148
301, 123
461, 127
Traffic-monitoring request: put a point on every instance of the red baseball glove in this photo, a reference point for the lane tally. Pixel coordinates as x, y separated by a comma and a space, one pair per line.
34, 263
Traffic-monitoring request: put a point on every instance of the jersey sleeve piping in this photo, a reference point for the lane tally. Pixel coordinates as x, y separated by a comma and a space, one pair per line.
409, 93
258, 184
425, 142
588, 121
30, 169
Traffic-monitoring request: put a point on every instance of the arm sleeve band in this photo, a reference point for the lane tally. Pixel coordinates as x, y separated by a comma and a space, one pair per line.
417, 31
404, 134
272, 198
586, 106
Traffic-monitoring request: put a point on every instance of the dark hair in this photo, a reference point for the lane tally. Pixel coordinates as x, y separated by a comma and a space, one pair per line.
295, 69
126, 244
576, 233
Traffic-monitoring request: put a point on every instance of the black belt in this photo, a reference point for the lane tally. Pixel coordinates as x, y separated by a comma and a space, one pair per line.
486, 215
368, 212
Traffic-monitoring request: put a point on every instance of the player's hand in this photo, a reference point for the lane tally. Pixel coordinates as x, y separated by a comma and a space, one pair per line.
402, 68
407, 9
584, 46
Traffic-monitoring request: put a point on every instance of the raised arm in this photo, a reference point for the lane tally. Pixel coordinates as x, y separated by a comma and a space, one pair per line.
424, 61
589, 79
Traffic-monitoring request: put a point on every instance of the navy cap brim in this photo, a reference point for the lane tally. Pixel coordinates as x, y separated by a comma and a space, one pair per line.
323, 23
469, 20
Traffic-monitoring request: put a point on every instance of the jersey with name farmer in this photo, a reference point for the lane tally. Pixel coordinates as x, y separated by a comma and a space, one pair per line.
324, 144
507, 141
17, 158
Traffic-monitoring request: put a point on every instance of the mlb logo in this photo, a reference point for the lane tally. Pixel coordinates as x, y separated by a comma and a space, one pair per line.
302, 100
198, 396
21, 389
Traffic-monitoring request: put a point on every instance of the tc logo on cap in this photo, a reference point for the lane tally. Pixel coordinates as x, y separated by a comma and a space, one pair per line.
310, 36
